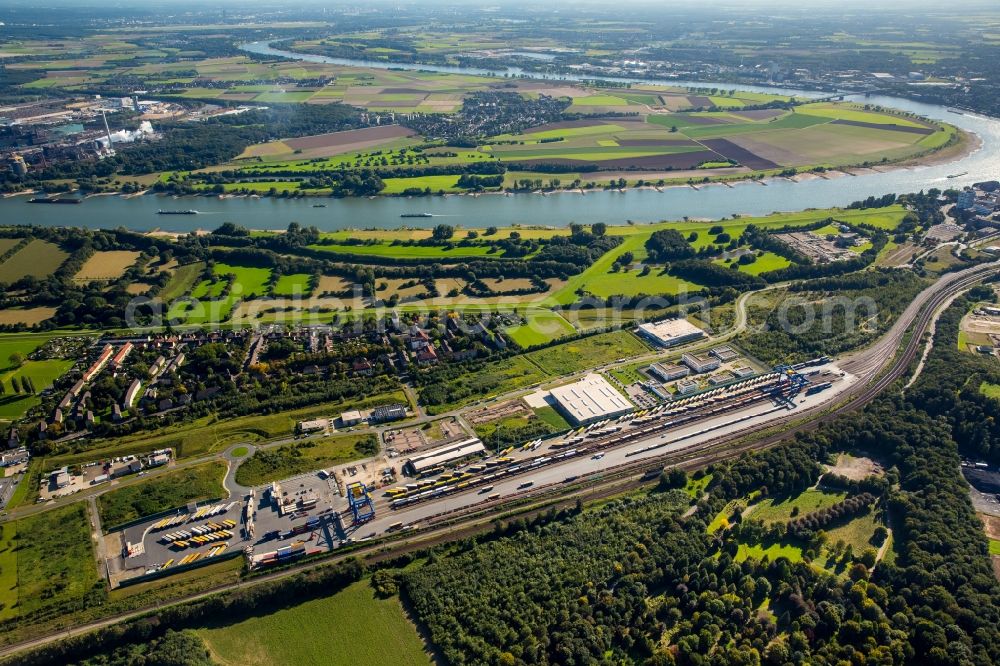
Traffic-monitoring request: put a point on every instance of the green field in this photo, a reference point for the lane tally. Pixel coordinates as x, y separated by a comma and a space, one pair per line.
181, 281
42, 373
170, 490
296, 284
553, 418
994, 546
535, 367
768, 261
777, 510
214, 301
434, 183
772, 552
850, 112
38, 259
857, 533
8, 570
986, 388
629, 374
590, 352
541, 327
287, 460
55, 560
348, 628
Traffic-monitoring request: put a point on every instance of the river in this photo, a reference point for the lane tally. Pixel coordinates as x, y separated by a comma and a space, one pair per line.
556, 209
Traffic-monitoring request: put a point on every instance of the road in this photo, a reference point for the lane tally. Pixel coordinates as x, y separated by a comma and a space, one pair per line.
870, 372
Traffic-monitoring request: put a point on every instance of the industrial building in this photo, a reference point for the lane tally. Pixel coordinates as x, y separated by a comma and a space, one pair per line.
668, 373
590, 399
721, 378
386, 413
316, 425
725, 353
351, 418
686, 386
700, 363
446, 454
670, 332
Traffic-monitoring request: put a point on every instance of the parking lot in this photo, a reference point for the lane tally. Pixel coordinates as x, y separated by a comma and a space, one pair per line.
303, 499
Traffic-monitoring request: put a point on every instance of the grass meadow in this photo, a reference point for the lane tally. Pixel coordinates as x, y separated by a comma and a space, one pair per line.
348, 628
170, 490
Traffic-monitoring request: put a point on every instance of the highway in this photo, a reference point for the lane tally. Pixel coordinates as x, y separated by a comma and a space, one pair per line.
867, 373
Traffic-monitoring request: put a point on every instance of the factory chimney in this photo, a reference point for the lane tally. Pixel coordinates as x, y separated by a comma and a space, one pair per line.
106, 128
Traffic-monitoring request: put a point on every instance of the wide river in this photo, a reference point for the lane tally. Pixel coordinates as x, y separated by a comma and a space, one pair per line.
557, 209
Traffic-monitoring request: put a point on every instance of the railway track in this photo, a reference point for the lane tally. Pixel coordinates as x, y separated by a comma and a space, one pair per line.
917, 317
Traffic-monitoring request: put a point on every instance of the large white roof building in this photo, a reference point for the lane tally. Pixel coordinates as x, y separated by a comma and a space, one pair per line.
670, 332
590, 399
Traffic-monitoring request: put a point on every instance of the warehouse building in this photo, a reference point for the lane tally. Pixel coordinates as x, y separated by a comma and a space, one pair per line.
443, 455
670, 332
386, 413
590, 399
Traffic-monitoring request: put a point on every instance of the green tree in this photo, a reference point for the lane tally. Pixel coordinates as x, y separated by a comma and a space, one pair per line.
443, 232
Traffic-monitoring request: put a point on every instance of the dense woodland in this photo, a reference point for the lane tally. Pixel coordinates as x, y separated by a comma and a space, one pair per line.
828, 316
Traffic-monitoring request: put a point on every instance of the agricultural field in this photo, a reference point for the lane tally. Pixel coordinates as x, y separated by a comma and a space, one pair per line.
26, 316
296, 284
162, 492
109, 265
322, 632
328, 145
658, 146
287, 460
182, 279
38, 259
213, 301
